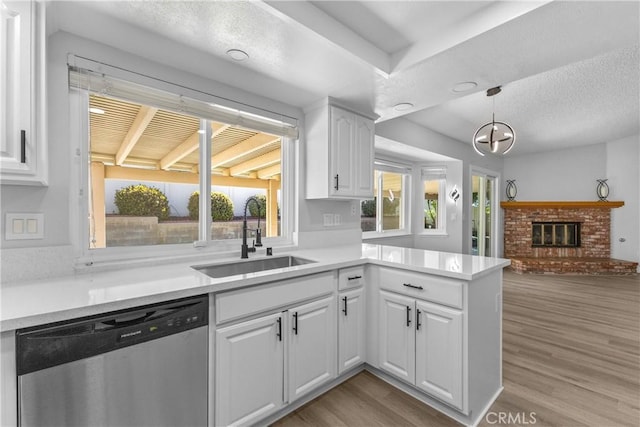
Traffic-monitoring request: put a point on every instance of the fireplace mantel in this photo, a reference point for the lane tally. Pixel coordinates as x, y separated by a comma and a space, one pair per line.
561, 205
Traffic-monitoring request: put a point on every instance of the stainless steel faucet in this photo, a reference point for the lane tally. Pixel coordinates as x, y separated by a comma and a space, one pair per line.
244, 253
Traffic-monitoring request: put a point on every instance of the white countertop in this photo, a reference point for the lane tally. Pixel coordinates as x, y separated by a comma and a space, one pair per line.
25, 304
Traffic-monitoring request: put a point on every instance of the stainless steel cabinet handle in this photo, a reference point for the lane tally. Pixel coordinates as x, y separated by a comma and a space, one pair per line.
279, 334
337, 182
409, 285
418, 319
354, 278
408, 316
295, 323
344, 310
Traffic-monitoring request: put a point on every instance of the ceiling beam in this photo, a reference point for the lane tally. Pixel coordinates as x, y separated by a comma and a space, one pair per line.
270, 171
189, 145
313, 19
142, 120
259, 162
243, 148
119, 172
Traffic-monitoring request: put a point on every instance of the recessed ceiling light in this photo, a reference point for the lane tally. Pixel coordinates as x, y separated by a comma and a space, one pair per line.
464, 86
237, 54
403, 106
96, 110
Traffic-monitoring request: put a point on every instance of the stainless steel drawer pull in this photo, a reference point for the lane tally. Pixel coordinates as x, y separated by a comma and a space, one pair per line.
354, 278
409, 285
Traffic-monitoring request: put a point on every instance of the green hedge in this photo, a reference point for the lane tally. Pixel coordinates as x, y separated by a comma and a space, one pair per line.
369, 208
221, 206
141, 200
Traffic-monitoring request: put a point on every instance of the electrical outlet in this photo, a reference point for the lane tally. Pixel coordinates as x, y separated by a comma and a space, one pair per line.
337, 219
328, 220
354, 209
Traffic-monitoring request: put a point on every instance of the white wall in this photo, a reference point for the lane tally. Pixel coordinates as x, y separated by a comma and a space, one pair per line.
558, 175
571, 175
623, 177
459, 229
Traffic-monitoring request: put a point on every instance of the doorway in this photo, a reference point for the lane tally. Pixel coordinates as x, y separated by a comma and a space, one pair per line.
484, 213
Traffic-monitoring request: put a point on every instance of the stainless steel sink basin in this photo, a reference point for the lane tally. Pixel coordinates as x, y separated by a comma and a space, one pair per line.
250, 266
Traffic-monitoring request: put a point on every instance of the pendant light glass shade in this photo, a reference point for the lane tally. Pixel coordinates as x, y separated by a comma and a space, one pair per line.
494, 137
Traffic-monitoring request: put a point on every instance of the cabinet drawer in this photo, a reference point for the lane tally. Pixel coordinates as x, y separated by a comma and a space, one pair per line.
424, 286
349, 278
257, 299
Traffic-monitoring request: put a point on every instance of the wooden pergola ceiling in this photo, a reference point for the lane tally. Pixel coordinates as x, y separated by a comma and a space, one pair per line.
137, 142
137, 136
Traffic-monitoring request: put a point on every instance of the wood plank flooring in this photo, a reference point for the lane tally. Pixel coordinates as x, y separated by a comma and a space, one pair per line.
571, 357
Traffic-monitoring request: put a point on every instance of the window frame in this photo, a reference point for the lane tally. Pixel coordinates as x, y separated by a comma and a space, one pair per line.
85, 256
433, 173
383, 165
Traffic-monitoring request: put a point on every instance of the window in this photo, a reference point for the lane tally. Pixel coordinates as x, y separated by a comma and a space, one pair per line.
434, 184
391, 187
147, 150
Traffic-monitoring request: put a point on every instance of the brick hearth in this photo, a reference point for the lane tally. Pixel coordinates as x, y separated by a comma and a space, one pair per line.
592, 257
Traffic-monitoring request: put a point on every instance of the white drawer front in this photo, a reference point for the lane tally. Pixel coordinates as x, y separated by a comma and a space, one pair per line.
423, 286
349, 278
257, 299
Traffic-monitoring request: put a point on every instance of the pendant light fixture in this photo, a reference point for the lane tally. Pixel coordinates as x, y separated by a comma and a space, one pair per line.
494, 137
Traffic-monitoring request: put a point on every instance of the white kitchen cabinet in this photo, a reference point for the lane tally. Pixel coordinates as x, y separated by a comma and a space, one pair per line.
351, 329
249, 370
397, 336
421, 343
23, 157
312, 346
339, 153
439, 352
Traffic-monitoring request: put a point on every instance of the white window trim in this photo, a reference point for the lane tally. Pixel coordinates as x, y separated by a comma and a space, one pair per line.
433, 173
384, 165
133, 255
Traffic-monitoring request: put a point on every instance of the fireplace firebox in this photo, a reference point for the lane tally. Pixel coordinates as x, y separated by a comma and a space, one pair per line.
555, 234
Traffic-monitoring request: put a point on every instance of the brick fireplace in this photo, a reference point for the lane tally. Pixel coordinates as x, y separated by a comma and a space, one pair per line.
561, 237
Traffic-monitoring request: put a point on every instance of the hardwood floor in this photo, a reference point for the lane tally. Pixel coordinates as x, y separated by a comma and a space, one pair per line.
571, 357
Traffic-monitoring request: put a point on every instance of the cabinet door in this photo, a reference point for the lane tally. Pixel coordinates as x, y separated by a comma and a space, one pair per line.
363, 157
397, 336
439, 352
249, 370
351, 329
15, 83
312, 346
341, 144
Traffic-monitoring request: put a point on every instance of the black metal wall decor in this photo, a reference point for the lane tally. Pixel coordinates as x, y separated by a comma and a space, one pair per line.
511, 190
602, 190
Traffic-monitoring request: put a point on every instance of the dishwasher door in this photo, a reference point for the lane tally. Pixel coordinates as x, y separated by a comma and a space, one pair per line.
158, 382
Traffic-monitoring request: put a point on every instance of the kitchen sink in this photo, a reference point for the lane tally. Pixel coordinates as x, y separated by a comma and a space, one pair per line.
250, 266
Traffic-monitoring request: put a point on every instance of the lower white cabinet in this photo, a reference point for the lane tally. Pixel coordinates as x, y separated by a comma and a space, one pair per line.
421, 343
312, 346
351, 329
254, 359
249, 370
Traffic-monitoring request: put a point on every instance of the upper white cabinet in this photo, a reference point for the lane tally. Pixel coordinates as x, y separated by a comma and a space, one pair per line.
339, 153
23, 157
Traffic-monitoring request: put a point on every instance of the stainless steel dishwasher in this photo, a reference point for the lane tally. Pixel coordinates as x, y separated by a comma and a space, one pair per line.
140, 367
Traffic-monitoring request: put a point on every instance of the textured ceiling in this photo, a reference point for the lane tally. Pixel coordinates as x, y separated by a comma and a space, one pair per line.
569, 69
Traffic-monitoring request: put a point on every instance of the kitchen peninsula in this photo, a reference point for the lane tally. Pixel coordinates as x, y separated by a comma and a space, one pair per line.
428, 322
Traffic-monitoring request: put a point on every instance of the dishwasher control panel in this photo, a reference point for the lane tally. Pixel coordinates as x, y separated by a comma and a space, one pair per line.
62, 342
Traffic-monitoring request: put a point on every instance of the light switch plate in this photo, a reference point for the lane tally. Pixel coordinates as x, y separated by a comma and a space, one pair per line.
328, 220
24, 226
